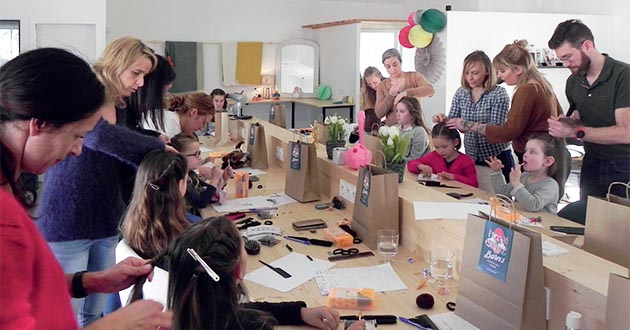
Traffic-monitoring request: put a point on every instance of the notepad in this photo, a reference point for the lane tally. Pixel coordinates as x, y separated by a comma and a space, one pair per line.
380, 278
447, 210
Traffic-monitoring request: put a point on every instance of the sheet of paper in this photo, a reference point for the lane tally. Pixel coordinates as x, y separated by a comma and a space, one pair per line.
553, 250
380, 278
433, 177
447, 210
238, 204
204, 150
450, 321
251, 171
298, 265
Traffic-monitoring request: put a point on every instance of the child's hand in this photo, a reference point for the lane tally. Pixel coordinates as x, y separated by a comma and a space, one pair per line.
209, 160
446, 175
515, 175
425, 170
227, 173
494, 163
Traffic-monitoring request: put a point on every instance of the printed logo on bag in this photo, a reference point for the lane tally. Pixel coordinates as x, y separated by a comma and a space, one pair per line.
295, 155
252, 129
272, 113
495, 250
366, 178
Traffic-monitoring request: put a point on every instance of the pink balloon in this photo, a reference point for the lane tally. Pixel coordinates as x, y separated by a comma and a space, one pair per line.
410, 18
403, 37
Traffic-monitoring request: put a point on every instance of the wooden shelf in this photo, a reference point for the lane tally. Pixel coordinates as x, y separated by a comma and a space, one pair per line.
351, 21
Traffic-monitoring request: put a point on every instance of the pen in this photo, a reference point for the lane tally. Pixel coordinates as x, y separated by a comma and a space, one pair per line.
297, 240
309, 257
289, 248
406, 320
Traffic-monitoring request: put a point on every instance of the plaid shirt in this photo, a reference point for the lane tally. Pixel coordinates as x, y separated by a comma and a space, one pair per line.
492, 108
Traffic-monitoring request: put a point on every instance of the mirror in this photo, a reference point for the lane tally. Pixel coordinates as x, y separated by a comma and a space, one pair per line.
297, 65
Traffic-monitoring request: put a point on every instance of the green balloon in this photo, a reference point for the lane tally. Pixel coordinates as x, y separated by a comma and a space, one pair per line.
433, 20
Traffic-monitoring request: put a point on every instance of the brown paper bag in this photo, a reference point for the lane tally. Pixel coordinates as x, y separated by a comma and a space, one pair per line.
511, 296
618, 303
376, 203
276, 115
607, 232
321, 132
302, 174
221, 128
373, 143
257, 147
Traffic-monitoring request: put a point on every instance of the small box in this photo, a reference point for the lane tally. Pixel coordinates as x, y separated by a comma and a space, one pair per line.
241, 184
339, 236
341, 298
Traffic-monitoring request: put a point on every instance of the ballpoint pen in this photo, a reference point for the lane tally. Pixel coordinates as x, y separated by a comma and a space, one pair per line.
297, 240
406, 320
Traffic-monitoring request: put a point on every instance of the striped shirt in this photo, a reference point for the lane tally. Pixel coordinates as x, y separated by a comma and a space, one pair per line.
491, 108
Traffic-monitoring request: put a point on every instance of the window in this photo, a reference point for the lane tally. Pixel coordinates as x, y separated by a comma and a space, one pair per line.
374, 42
9, 40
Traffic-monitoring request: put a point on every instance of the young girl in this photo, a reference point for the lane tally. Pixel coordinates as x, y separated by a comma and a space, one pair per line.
203, 293
538, 188
371, 78
410, 121
200, 192
445, 160
219, 99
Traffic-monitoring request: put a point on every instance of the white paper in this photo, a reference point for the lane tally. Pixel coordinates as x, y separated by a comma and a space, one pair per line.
450, 321
380, 278
447, 210
256, 202
204, 150
423, 178
552, 250
298, 265
251, 171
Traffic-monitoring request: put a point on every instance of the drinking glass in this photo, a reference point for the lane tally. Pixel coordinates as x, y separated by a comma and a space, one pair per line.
441, 262
387, 242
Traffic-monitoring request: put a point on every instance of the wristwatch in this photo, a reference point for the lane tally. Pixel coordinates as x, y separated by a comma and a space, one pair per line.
579, 132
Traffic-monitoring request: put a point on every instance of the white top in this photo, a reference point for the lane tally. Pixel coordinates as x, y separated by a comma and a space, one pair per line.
172, 126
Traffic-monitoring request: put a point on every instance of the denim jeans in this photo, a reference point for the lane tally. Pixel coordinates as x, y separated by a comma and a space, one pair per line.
597, 174
91, 255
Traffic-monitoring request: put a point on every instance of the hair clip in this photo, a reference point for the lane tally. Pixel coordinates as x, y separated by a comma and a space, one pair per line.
154, 186
205, 266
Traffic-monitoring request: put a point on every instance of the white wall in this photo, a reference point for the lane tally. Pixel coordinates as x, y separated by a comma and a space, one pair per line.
67, 12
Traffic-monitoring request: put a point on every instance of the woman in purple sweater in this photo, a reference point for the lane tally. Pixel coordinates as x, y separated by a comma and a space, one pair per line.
82, 202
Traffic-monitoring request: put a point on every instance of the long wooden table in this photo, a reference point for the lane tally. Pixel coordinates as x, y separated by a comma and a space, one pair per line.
577, 281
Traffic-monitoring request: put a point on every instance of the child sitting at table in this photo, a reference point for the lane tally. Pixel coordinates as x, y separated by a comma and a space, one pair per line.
410, 121
205, 187
199, 301
538, 188
446, 161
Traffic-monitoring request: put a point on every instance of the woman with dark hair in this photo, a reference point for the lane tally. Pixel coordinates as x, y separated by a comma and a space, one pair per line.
399, 84
49, 101
82, 200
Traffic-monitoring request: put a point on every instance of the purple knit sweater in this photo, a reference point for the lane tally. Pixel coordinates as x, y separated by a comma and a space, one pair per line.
82, 197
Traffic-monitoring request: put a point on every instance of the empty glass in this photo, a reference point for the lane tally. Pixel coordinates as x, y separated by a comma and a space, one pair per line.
441, 262
387, 243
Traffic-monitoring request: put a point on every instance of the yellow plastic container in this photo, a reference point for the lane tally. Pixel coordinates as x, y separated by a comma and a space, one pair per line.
360, 299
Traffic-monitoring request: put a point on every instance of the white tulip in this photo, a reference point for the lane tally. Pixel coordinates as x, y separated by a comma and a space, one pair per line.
342, 121
344, 126
394, 131
327, 121
390, 142
383, 131
334, 120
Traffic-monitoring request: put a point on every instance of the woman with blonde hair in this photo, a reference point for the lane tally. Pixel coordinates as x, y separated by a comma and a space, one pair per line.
186, 114
399, 84
82, 201
372, 77
532, 104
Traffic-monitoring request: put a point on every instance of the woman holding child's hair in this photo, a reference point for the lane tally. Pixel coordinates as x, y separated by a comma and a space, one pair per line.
187, 114
480, 99
205, 187
538, 187
533, 103
446, 161
399, 84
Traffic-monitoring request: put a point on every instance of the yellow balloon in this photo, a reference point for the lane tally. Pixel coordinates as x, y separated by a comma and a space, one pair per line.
419, 37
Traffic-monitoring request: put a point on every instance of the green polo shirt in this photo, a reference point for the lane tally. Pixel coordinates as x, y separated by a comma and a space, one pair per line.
597, 103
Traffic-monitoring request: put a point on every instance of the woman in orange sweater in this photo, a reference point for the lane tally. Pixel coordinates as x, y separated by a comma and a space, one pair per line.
532, 104
398, 85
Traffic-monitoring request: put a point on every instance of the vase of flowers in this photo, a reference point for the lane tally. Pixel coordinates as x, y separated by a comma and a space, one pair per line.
335, 128
394, 149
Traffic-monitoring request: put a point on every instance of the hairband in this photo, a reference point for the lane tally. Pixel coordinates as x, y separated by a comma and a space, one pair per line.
205, 266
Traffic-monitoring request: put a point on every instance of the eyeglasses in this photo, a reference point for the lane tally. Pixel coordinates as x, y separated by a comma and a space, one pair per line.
567, 58
196, 154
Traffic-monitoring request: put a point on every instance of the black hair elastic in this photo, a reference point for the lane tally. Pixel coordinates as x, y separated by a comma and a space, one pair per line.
450, 306
268, 222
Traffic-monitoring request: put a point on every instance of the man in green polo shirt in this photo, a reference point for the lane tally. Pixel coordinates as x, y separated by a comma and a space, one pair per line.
598, 91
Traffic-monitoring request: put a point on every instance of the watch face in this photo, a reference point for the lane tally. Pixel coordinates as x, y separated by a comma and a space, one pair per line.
579, 134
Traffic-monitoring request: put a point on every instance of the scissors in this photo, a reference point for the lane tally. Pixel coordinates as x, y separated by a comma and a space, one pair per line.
345, 252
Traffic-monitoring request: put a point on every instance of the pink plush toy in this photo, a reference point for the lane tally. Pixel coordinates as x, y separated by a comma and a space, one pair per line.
359, 155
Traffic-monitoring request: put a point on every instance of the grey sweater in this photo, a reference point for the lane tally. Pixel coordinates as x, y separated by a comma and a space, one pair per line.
418, 144
533, 197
